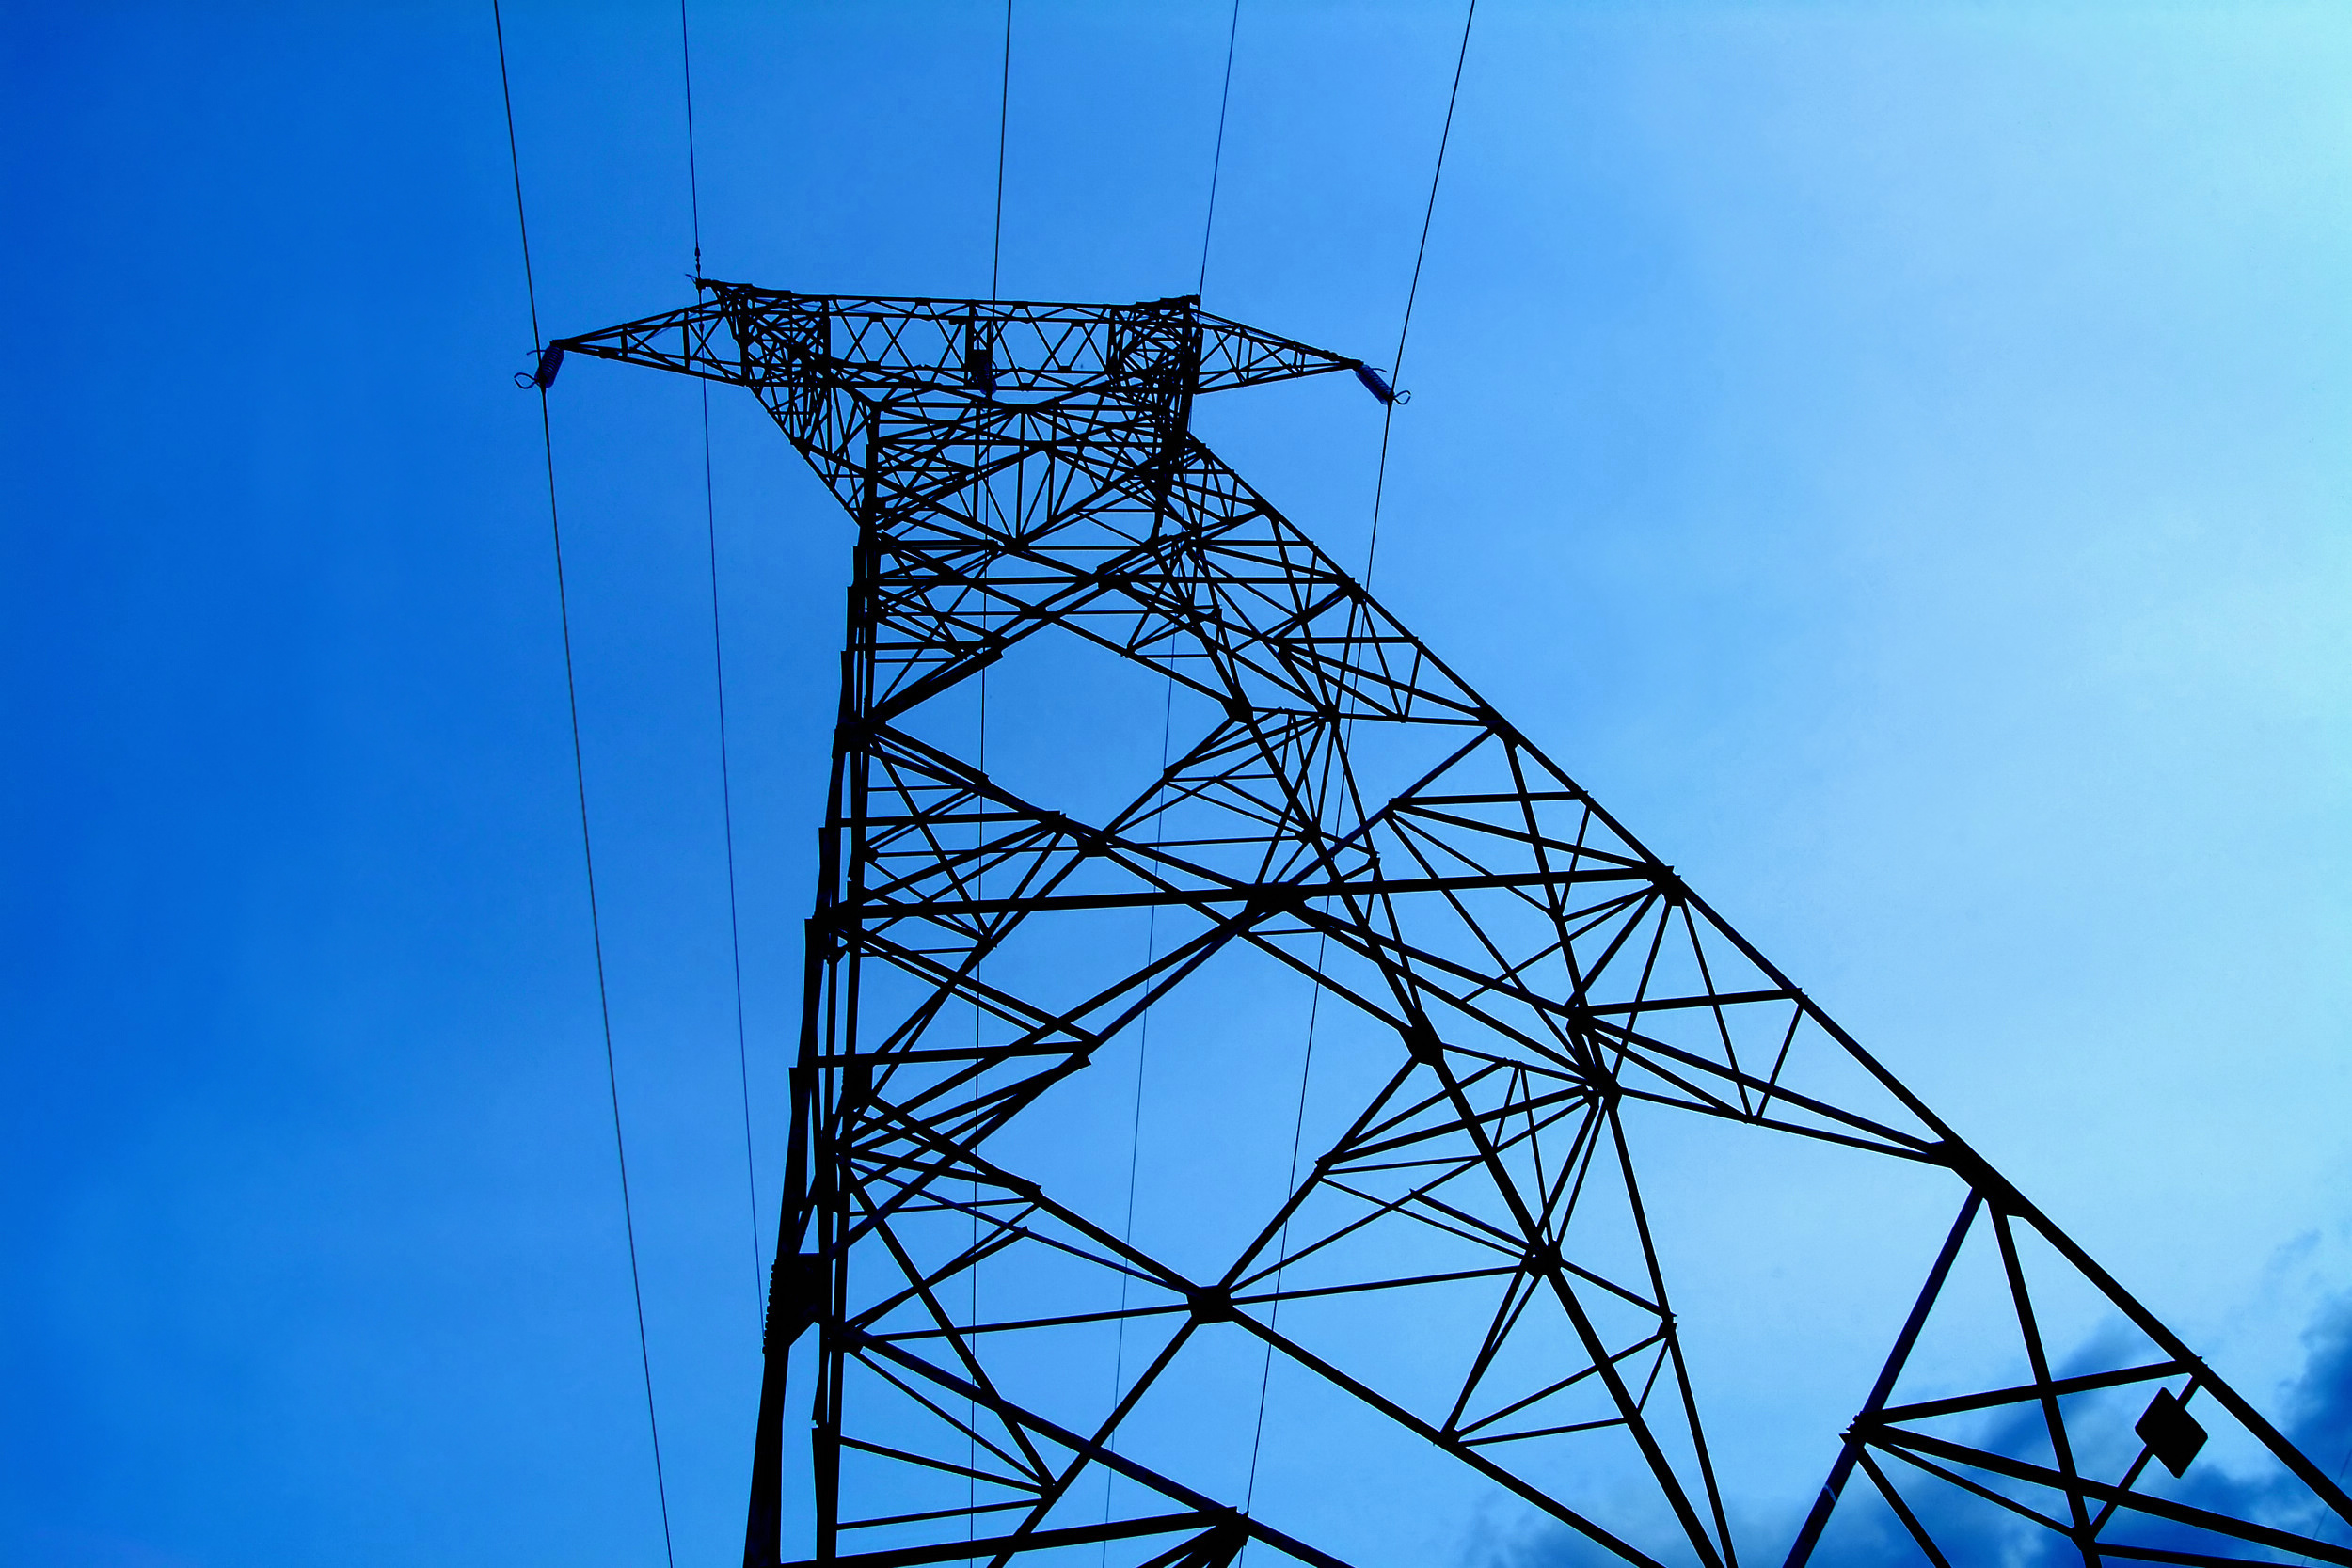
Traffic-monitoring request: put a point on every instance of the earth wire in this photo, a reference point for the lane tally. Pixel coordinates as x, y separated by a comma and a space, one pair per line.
1265, 1375
1216, 163
979, 827
1159, 821
719, 674
579, 778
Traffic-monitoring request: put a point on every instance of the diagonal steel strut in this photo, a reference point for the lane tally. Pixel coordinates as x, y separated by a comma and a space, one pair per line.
1023, 472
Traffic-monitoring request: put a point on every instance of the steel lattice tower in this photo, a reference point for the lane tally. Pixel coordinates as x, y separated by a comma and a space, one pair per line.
1549, 993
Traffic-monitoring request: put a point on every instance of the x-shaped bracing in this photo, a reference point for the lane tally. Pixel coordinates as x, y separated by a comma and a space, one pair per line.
1024, 475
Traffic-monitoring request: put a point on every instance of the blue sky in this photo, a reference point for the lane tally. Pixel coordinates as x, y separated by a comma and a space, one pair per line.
1895, 454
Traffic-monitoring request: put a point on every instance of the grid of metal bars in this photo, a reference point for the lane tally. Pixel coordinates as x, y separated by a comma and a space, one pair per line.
1353, 812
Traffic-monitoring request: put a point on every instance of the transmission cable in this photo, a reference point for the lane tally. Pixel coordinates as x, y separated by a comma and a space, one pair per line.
1314, 1007
719, 674
1004, 104
2326, 1525
1143, 1052
1159, 828
579, 779
1216, 163
1412, 292
979, 814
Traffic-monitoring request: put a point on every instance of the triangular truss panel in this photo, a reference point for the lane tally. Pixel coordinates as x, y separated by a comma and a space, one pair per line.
1517, 990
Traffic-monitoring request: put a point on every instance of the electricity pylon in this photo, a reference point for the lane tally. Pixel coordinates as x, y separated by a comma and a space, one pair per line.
1520, 993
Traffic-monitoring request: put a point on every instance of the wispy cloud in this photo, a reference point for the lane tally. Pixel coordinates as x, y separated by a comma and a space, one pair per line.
2315, 1414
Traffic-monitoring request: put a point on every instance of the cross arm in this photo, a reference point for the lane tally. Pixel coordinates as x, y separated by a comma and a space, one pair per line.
1018, 349
697, 340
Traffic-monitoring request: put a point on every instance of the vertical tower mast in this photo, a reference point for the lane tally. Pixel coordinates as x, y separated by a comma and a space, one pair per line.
1344, 809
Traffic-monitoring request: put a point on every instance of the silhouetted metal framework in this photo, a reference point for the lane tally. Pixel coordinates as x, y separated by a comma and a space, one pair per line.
1356, 813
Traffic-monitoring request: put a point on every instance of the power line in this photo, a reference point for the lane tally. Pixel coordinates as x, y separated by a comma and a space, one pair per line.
1217, 164
579, 778
1315, 1008
1396, 369
979, 827
1159, 832
1513, 1108
1143, 1052
1282, 1243
694, 177
719, 674
1004, 103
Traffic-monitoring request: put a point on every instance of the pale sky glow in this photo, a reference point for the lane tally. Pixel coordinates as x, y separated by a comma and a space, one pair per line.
1899, 456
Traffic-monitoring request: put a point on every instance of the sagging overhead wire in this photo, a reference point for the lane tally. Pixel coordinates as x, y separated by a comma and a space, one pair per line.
1389, 397
979, 825
1216, 160
718, 677
1159, 821
1004, 107
1412, 292
548, 359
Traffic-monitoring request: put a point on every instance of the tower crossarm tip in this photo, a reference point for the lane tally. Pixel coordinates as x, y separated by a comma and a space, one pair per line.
697, 340
1016, 350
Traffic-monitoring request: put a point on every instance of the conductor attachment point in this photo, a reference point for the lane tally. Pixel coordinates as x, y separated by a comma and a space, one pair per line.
543, 378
